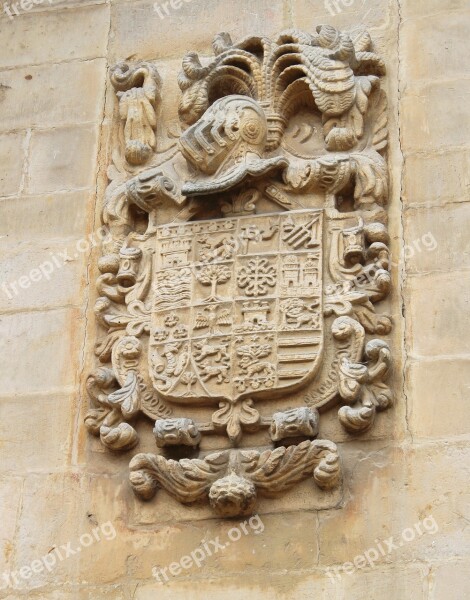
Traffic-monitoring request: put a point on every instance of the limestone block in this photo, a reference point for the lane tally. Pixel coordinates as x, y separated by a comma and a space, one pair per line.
140, 30
51, 95
421, 8
424, 518
451, 581
438, 398
426, 126
393, 584
54, 36
11, 163
10, 501
52, 516
434, 179
51, 418
369, 509
437, 44
57, 215
276, 587
437, 476
135, 551
42, 276
396, 583
62, 159
271, 543
436, 239
435, 309
33, 346
75, 593
48, 5
307, 14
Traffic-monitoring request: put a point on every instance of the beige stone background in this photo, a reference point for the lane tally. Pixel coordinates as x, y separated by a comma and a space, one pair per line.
56, 483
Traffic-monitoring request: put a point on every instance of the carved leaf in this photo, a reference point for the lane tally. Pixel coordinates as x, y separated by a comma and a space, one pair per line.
128, 396
356, 420
274, 472
104, 348
380, 116
351, 378
187, 480
371, 180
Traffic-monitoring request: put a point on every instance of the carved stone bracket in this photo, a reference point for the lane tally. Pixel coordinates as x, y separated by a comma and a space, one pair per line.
231, 481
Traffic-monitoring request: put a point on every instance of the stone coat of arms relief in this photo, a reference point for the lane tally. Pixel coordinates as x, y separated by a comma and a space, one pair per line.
245, 262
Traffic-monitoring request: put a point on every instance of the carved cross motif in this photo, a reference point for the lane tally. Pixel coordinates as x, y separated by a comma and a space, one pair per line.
257, 277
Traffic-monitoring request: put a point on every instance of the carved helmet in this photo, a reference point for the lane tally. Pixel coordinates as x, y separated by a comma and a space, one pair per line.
226, 145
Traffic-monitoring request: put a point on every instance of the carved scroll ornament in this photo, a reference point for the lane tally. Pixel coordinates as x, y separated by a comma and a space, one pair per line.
245, 263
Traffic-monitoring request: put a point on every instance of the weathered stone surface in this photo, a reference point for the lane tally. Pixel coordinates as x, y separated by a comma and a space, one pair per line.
403, 584
443, 41
164, 544
437, 488
75, 592
451, 581
11, 163
434, 239
342, 13
11, 489
33, 346
49, 275
52, 417
52, 95
436, 305
426, 127
47, 522
429, 484
420, 8
62, 159
438, 392
139, 30
437, 179
86, 37
59, 215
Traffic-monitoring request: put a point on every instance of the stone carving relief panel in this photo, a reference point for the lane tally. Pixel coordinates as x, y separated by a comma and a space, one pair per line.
245, 262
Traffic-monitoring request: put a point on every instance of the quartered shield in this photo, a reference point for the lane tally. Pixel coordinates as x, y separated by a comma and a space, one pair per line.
237, 307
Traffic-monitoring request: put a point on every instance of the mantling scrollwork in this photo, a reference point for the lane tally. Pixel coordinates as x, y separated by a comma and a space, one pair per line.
245, 262
138, 90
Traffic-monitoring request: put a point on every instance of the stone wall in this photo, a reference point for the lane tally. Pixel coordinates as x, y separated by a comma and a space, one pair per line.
56, 483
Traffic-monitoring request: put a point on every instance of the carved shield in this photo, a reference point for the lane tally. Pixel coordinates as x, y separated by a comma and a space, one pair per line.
237, 307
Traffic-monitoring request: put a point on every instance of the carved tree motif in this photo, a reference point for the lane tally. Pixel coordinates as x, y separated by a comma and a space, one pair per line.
212, 275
